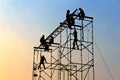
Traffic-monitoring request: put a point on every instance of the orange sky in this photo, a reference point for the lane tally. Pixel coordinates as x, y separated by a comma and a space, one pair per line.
22, 22
15, 63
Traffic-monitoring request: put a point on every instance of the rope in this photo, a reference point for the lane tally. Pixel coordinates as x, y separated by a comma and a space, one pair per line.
104, 61
110, 74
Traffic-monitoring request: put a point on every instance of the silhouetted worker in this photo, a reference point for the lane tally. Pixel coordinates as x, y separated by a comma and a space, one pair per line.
51, 40
72, 21
42, 60
67, 15
68, 18
46, 47
44, 43
75, 39
81, 14
42, 40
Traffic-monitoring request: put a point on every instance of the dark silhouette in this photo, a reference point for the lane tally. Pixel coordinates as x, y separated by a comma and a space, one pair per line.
68, 19
81, 14
46, 47
75, 39
72, 21
51, 40
42, 60
44, 43
42, 40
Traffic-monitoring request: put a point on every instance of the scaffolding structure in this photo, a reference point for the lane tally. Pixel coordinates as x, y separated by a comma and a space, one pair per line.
63, 61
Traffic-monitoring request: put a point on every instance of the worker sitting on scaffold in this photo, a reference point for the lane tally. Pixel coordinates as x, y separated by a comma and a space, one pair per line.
44, 43
81, 15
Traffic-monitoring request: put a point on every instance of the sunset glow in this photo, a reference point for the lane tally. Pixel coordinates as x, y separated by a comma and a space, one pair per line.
23, 22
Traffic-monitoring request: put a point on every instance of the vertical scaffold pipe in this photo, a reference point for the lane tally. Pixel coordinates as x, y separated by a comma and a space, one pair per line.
67, 52
59, 56
93, 52
40, 66
51, 65
70, 56
81, 48
33, 65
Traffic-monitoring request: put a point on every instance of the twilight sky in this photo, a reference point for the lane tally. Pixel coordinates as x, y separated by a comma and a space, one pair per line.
23, 22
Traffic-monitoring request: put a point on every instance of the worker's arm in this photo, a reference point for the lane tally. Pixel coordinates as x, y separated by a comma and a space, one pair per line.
45, 60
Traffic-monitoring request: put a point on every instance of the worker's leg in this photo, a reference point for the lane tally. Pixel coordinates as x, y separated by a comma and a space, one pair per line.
77, 45
44, 65
39, 66
74, 44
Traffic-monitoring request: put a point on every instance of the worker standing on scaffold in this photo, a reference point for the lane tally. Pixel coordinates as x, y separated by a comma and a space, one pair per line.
42, 60
69, 19
75, 39
72, 21
81, 15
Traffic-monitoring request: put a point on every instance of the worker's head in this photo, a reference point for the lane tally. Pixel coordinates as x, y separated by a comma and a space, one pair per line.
43, 36
80, 8
68, 11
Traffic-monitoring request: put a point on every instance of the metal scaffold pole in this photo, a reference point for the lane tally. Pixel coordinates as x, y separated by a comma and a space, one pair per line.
66, 57
93, 52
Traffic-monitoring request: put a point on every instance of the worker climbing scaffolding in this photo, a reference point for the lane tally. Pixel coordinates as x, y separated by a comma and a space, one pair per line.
42, 61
